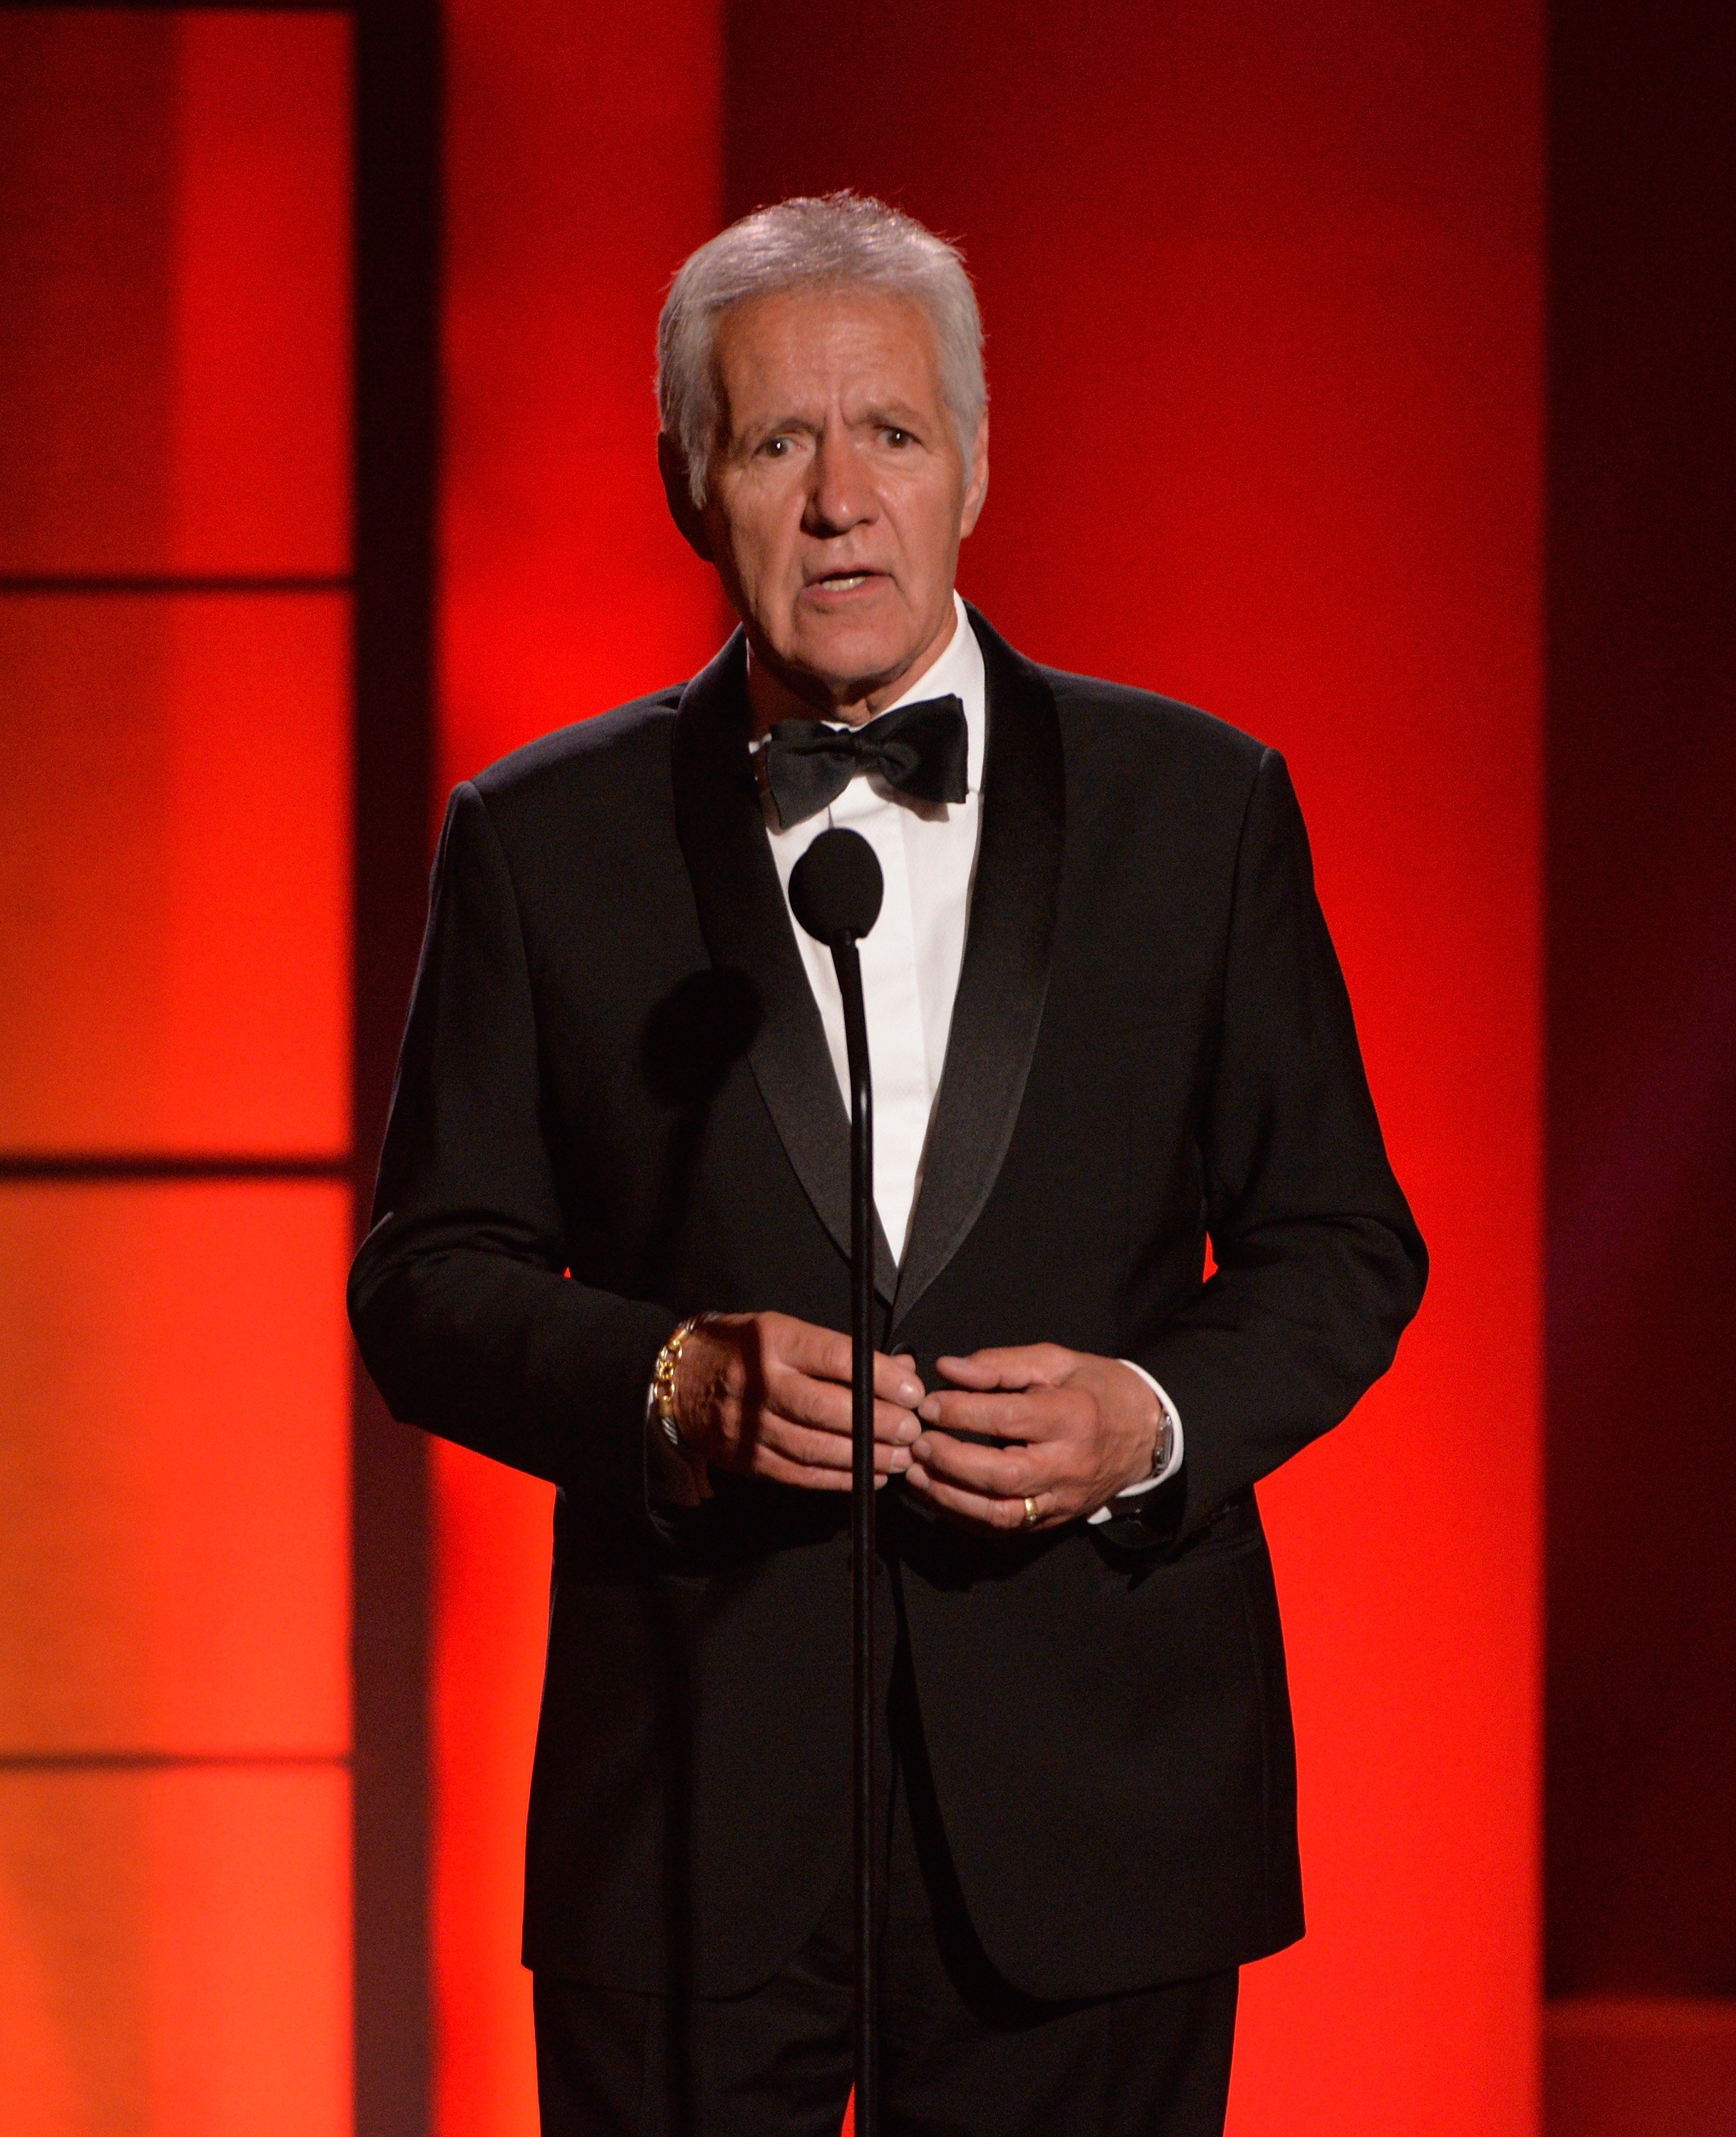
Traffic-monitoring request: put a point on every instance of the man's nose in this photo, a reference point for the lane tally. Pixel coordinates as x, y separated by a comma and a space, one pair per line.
840, 496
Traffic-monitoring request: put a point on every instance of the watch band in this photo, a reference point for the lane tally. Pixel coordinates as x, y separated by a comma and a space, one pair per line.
1131, 1503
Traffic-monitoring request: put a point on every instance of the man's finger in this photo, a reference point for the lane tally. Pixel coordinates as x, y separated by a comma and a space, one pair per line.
895, 1381
814, 1480
823, 1355
977, 1510
997, 1473
767, 1462
826, 1407
1043, 1414
1013, 1365
826, 1450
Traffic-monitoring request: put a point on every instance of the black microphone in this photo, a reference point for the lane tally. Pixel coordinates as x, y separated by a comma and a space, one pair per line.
835, 890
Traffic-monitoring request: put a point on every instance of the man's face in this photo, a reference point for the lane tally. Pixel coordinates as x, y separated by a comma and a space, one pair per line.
839, 493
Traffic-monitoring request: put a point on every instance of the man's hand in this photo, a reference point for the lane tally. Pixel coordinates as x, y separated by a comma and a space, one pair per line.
1089, 1427
767, 1396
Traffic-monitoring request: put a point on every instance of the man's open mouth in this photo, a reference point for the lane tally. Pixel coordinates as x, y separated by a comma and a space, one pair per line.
843, 583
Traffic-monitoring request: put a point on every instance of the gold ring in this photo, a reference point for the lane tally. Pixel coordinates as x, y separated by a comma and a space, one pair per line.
1030, 1513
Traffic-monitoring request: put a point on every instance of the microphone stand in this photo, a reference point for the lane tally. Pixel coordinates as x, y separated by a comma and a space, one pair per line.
848, 967
835, 890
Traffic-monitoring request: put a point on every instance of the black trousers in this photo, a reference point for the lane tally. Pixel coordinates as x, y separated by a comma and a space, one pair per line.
963, 2054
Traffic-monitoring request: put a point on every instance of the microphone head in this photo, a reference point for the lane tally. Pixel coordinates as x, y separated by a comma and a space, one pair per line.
836, 887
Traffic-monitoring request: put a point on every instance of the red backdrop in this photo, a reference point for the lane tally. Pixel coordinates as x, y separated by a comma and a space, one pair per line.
1263, 294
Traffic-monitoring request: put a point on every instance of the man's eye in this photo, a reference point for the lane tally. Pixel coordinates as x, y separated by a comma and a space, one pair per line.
894, 436
774, 448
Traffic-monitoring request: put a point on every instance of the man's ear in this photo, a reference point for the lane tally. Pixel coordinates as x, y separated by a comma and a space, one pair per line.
672, 464
976, 485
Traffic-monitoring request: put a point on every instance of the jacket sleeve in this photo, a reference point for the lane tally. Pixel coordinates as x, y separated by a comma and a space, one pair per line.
457, 1297
1320, 1265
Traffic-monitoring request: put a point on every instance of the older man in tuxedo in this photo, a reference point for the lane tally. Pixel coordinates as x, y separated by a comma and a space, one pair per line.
610, 1247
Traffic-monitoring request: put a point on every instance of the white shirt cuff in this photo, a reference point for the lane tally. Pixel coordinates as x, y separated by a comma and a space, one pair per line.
1170, 1466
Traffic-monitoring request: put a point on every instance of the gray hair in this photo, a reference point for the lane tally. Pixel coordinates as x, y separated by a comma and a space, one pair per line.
841, 237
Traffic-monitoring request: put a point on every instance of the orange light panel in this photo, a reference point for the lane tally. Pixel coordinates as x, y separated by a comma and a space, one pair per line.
174, 1952
174, 861
174, 964
174, 291
174, 1440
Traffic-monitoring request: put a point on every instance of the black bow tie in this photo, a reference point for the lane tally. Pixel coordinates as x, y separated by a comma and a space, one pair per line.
923, 750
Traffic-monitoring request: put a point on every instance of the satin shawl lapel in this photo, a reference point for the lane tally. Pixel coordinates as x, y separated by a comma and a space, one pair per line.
1004, 977
748, 930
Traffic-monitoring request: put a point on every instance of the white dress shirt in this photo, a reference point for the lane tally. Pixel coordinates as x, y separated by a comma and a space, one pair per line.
911, 958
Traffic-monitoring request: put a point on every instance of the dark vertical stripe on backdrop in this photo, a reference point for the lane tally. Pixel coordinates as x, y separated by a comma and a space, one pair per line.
397, 236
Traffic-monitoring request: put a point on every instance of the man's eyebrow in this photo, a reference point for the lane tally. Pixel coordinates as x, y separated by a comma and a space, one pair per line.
904, 414
770, 427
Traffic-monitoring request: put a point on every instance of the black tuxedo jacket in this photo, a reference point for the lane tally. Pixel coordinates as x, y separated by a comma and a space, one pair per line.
616, 1107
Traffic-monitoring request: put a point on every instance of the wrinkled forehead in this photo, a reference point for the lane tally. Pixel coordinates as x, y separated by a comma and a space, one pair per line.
841, 347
